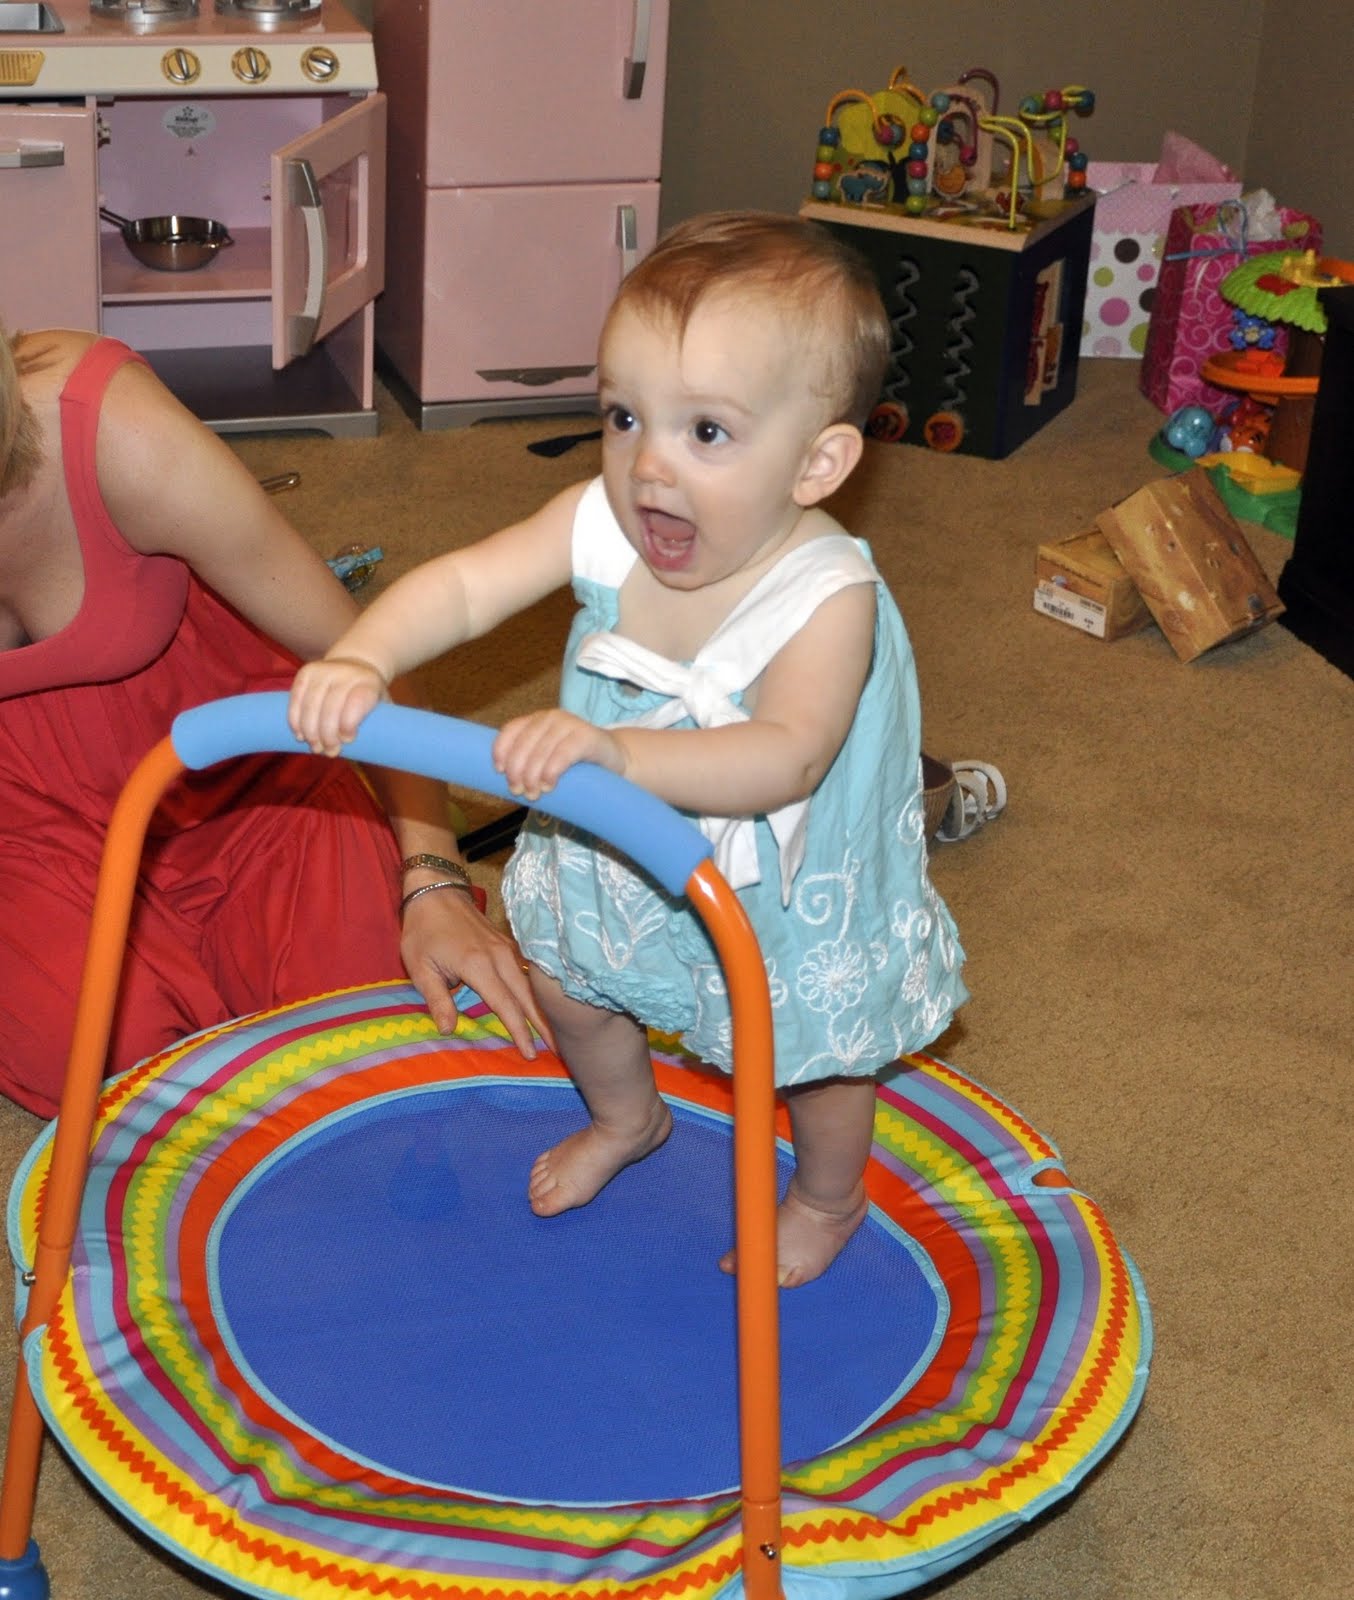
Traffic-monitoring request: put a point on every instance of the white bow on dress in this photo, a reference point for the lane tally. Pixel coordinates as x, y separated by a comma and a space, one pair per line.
704, 692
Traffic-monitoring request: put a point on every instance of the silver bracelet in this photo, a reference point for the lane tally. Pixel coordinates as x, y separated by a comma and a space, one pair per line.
442, 883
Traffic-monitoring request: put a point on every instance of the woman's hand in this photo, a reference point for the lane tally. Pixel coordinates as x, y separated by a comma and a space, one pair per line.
534, 752
330, 698
446, 941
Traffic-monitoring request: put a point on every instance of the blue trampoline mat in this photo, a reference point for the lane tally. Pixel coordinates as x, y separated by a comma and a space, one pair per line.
383, 1279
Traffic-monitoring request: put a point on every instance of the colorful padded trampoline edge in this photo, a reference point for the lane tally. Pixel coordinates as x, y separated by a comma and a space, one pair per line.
925, 1534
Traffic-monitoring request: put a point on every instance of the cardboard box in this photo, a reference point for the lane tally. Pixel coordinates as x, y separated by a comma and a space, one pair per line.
1190, 561
987, 321
1079, 580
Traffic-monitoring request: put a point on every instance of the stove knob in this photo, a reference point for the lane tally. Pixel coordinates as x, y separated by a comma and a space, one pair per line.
250, 65
320, 64
181, 66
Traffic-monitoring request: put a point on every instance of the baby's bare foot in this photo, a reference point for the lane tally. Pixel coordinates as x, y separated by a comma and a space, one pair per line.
570, 1173
809, 1238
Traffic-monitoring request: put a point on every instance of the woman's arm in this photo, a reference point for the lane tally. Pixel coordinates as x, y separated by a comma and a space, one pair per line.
173, 487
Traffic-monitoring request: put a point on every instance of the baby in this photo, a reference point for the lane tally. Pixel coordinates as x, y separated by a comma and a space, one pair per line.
736, 653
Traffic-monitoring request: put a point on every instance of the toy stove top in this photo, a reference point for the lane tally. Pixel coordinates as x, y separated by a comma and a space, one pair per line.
156, 13
182, 48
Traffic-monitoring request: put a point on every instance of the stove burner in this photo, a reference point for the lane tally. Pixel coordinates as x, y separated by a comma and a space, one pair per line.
268, 10
145, 13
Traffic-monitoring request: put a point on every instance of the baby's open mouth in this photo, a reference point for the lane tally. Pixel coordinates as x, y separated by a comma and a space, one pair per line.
668, 540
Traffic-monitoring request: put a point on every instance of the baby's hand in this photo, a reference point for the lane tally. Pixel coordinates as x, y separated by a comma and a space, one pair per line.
329, 699
535, 751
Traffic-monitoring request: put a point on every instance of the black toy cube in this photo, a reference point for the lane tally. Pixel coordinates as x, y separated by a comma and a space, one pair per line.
986, 320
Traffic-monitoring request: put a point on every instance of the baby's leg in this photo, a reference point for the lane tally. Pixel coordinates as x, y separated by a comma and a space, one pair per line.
607, 1054
832, 1124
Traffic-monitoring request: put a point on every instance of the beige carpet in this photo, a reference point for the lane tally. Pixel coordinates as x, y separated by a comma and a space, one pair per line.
1159, 933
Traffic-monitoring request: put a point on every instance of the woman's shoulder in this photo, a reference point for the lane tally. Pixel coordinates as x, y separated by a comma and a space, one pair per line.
46, 357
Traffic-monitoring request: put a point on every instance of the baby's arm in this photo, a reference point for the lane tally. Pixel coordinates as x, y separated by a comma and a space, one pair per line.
805, 705
447, 600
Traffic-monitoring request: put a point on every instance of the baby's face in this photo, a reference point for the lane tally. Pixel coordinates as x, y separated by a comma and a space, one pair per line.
706, 437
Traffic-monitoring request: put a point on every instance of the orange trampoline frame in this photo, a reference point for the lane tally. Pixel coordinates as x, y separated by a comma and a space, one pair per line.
754, 1124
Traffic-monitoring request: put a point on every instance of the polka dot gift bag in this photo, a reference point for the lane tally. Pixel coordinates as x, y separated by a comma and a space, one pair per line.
1132, 211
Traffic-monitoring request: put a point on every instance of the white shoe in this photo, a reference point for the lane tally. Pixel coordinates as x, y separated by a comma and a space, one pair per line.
979, 795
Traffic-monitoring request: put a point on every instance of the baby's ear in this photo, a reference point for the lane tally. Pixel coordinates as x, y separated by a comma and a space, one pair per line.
830, 461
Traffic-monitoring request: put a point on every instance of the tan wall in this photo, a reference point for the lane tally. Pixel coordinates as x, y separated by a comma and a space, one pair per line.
1259, 82
748, 83
1301, 140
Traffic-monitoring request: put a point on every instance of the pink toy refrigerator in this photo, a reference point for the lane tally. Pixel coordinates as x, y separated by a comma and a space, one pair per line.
525, 141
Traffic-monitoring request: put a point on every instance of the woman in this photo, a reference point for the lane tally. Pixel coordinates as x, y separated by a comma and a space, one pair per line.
143, 570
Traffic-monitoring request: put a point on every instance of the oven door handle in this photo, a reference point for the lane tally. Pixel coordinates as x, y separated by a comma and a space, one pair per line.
28, 153
304, 193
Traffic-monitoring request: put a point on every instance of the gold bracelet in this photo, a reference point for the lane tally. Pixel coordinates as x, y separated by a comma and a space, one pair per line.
427, 888
452, 869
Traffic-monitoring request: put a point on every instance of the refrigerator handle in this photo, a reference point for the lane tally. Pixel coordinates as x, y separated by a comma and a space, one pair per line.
627, 237
632, 74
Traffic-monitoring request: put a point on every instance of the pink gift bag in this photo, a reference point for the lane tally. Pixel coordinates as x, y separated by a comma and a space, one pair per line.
1190, 319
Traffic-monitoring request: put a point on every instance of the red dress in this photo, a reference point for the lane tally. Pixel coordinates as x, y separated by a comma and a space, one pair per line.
264, 880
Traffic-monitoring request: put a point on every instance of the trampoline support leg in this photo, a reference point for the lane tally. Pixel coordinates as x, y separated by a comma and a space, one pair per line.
761, 1549
23, 1455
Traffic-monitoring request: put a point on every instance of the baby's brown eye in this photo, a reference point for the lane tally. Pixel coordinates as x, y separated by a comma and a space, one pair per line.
619, 418
708, 432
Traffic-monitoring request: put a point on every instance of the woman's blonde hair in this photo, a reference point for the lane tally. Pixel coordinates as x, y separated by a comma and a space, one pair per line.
824, 289
20, 442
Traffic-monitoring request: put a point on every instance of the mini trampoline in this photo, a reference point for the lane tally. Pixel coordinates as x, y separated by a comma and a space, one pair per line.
298, 1324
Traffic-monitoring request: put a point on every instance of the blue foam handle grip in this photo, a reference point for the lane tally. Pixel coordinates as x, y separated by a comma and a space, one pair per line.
645, 829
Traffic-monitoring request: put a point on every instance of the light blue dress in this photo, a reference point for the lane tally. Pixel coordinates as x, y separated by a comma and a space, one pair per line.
861, 954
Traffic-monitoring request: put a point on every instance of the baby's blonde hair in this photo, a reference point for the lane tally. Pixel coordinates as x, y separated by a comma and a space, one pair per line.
20, 444
823, 288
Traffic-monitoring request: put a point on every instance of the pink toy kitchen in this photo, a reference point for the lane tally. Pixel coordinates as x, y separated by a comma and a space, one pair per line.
274, 199
204, 179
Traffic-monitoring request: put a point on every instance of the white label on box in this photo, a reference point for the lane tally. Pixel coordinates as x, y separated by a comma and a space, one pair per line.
1054, 601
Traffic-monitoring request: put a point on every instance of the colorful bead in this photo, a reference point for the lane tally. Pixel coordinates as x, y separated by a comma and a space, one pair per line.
915, 204
1076, 180
824, 169
1030, 106
916, 169
940, 100
821, 189
829, 136
917, 151
1077, 161
1054, 101
928, 115
921, 132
